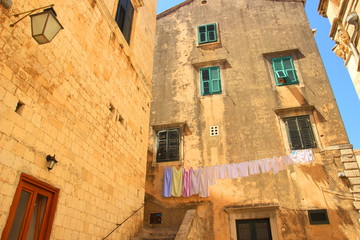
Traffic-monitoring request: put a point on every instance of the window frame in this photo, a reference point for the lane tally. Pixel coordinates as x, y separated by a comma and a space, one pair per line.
211, 81
167, 159
252, 226
314, 222
207, 34
30, 184
125, 22
281, 74
301, 132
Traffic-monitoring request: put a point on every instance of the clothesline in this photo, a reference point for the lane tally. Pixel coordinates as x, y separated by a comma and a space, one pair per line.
188, 182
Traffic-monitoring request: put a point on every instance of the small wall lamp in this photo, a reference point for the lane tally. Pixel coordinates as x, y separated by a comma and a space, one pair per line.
50, 162
44, 25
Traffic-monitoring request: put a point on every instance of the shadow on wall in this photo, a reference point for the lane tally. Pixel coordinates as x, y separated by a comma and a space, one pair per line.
292, 219
172, 216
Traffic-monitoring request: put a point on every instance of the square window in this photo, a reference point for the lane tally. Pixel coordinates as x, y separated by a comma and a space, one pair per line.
214, 130
210, 80
124, 17
284, 71
317, 217
207, 33
300, 133
155, 218
167, 145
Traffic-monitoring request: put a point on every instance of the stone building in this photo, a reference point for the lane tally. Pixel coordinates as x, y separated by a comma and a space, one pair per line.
235, 82
85, 98
344, 20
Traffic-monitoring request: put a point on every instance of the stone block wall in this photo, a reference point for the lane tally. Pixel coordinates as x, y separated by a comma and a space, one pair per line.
85, 98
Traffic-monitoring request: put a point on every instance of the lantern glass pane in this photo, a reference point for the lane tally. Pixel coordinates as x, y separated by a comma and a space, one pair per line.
40, 39
52, 27
51, 164
38, 22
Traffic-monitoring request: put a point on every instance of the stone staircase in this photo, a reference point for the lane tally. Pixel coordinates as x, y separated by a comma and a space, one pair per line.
156, 234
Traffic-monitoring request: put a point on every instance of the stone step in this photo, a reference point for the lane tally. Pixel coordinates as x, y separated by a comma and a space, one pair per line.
156, 234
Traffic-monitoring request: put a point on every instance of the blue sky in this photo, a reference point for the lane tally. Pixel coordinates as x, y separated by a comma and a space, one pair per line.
344, 91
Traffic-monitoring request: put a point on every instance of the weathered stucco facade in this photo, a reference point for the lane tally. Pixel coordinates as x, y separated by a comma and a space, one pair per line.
250, 113
344, 20
84, 97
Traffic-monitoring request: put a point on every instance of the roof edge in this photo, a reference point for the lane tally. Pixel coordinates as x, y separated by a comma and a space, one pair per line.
173, 9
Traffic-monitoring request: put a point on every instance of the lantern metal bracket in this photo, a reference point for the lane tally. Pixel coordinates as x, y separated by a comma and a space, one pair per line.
28, 13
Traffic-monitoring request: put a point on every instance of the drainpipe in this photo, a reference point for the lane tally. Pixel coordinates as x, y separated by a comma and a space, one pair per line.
353, 19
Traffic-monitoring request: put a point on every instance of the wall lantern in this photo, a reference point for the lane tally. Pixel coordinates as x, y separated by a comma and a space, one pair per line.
50, 162
44, 25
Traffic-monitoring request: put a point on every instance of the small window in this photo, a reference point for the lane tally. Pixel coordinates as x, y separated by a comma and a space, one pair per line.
207, 33
124, 17
300, 133
155, 218
167, 145
253, 229
284, 71
32, 211
210, 80
214, 130
318, 217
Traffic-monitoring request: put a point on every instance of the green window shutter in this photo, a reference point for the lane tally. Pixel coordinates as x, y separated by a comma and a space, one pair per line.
299, 132
293, 133
211, 28
279, 72
205, 81
284, 71
290, 70
215, 79
307, 136
210, 80
202, 34
207, 33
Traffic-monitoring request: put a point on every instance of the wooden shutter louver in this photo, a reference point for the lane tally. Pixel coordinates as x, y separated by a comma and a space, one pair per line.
300, 133
306, 132
168, 145
173, 145
215, 79
293, 134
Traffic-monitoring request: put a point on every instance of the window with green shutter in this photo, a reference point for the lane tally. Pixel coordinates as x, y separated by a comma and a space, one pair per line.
167, 145
284, 71
210, 80
207, 33
300, 133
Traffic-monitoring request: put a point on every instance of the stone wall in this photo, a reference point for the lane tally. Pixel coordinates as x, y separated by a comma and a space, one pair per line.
85, 99
196, 224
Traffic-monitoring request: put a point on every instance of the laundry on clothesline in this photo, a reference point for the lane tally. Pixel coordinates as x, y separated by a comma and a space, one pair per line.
188, 182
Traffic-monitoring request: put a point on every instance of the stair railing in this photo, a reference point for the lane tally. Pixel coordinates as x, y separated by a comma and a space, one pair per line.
119, 224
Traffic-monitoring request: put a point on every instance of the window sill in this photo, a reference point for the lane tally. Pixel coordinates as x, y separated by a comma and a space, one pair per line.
210, 94
210, 45
286, 84
169, 163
